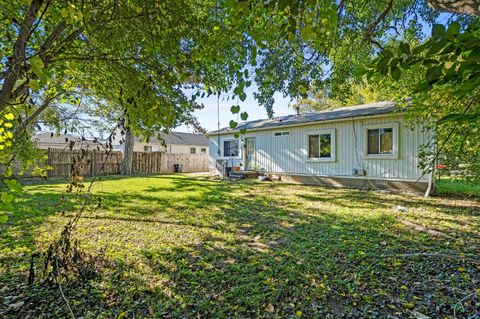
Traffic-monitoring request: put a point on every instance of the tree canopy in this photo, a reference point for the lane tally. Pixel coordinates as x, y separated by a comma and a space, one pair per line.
133, 61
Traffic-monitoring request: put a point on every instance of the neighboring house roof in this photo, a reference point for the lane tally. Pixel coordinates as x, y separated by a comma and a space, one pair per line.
178, 138
378, 108
62, 141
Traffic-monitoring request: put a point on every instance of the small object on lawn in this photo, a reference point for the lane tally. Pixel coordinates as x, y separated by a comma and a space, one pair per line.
400, 209
274, 177
262, 178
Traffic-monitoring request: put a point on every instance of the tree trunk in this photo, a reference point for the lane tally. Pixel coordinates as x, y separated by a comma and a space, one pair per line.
127, 162
470, 7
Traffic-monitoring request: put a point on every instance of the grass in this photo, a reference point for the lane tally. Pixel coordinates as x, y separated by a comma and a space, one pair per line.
458, 187
180, 246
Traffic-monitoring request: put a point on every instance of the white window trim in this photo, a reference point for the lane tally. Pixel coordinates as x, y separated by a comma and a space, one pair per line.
281, 132
222, 148
394, 127
333, 157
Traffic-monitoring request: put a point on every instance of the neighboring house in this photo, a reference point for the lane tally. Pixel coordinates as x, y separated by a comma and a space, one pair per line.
361, 146
63, 141
174, 143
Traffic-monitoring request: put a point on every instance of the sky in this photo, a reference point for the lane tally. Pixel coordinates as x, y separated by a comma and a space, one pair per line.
208, 115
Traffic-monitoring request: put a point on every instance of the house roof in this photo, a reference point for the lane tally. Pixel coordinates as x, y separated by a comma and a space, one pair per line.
179, 138
371, 109
48, 139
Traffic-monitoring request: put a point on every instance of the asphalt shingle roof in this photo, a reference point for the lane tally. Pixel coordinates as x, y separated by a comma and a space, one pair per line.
378, 108
180, 138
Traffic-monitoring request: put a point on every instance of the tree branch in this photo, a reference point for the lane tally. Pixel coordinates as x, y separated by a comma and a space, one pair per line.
371, 28
22, 126
18, 57
470, 7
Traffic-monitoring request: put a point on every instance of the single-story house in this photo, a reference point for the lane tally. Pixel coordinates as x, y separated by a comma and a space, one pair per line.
361, 146
52, 140
173, 143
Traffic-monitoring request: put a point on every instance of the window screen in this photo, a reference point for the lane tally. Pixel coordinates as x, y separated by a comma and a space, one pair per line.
313, 146
380, 141
320, 145
230, 148
325, 145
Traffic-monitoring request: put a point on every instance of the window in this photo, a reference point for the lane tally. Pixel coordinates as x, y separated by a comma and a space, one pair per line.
321, 145
203, 150
193, 150
147, 148
284, 133
381, 141
230, 148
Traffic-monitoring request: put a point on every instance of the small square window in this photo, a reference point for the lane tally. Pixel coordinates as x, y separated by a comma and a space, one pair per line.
203, 150
147, 148
193, 150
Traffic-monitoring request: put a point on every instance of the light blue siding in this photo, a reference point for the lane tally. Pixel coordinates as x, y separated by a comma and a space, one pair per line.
289, 154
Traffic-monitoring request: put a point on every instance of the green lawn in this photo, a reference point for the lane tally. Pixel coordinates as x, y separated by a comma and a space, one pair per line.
458, 187
186, 246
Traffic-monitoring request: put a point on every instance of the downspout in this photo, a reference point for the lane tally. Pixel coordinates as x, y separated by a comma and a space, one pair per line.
431, 180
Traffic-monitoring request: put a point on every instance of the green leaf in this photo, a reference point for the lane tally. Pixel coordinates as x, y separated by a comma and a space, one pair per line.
454, 28
37, 66
360, 70
387, 53
433, 74
460, 118
235, 109
13, 185
6, 197
438, 31
244, 116
233, 124
404, 48
3, 218
34, 85
242, 96
396, 73
243, 131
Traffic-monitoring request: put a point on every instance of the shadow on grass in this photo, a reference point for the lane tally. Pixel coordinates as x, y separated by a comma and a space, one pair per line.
241, 250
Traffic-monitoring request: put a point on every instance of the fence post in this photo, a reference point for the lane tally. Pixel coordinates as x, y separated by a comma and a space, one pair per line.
49, 156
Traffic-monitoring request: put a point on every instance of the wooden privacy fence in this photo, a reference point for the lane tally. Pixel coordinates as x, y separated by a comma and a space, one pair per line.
60, 163
160, 162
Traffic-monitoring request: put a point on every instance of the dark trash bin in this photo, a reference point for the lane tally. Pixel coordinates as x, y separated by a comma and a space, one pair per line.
178, 168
